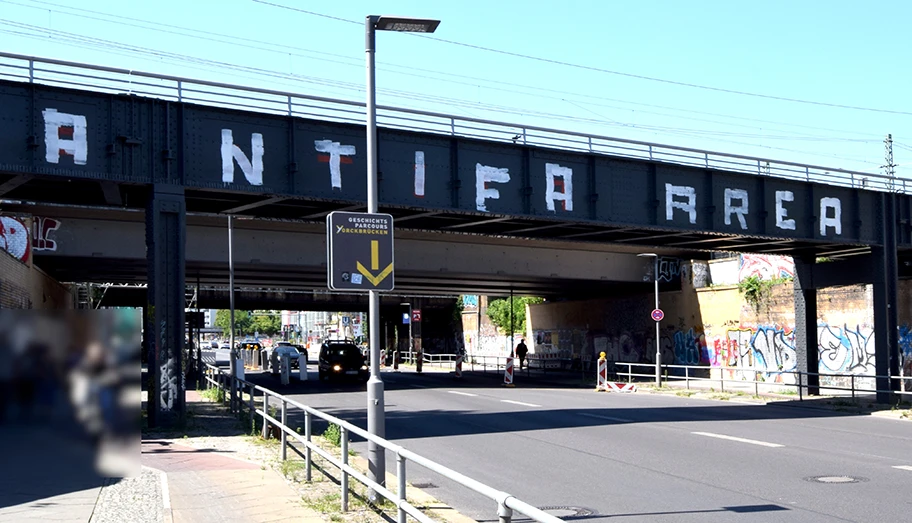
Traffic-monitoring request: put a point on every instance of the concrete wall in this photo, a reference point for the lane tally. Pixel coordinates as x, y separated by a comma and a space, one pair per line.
715, 327
480, 336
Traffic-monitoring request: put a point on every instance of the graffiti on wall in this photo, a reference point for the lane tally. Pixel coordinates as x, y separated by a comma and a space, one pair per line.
846, 350
41, 234
470, 302
669, 269
769, 350
14, 238
766, 266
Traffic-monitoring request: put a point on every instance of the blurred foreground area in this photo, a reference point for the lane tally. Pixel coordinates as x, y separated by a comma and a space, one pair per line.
70, 391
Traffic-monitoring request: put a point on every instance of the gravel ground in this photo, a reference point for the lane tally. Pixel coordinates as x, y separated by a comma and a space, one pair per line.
135, 500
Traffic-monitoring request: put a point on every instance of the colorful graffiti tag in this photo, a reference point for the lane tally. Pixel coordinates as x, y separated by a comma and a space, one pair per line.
14, 238
846, 350
766, 266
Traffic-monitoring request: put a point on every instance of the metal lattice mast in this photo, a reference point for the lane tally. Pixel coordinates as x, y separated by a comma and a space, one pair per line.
889, 167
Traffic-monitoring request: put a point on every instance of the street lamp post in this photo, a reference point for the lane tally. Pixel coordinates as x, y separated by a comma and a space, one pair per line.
375, 406
655, 278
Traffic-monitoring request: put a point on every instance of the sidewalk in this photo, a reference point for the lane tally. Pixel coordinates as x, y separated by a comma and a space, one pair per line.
211, 483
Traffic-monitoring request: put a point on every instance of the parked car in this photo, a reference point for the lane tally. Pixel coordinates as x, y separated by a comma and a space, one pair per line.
292, 350
342, 359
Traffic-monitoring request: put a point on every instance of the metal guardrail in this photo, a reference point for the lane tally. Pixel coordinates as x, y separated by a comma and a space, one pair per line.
757, 378
96, 78
506, 503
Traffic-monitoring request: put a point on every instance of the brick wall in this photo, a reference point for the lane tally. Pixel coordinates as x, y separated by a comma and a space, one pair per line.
14, 281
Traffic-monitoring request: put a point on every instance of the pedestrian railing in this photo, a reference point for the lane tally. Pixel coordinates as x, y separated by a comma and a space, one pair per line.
216, 377
95, 78
740, 378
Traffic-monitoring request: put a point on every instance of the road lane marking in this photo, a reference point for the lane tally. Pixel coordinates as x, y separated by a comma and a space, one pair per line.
521, 403
742, 440
461, 393
903, 467
609, 418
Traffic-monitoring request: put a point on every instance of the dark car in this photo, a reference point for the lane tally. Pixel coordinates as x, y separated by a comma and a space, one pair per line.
292, 350
342, 359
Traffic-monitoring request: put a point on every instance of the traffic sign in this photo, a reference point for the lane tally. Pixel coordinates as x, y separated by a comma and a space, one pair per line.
359, 248
416, 315
657, 314
346, 320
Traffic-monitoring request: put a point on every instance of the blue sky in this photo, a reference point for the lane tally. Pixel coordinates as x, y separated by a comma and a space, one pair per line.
835, 52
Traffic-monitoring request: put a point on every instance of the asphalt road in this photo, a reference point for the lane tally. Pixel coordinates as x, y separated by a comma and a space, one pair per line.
637, 457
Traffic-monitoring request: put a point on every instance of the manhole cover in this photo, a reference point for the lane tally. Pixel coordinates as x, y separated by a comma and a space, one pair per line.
835, 479
424, 485
567, 512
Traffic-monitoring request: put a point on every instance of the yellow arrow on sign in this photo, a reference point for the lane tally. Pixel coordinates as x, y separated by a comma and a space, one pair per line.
375, 265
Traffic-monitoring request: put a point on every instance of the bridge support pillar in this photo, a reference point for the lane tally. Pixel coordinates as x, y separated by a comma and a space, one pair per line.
165, 242
807, 353
886, 308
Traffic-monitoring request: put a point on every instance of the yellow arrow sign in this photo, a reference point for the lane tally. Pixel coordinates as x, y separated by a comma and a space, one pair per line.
375, 265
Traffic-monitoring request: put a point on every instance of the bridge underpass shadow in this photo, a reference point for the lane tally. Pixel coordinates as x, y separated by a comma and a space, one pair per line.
443, 423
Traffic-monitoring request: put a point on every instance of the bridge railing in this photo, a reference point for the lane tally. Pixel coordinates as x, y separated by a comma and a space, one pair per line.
123, 81
746, 380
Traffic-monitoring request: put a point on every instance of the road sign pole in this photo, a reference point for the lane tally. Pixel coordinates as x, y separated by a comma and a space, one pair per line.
655, 276
376, 411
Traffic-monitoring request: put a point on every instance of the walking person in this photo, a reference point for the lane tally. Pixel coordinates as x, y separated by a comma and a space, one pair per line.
521, 351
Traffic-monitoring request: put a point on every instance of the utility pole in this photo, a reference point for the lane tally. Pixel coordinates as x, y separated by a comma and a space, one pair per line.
889, 167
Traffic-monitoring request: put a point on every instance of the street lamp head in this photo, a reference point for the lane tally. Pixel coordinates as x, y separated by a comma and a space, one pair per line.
406, 25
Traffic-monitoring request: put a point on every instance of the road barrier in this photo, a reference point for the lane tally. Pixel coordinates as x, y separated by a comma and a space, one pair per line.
459, 366
506, 503
601, 383
508, 372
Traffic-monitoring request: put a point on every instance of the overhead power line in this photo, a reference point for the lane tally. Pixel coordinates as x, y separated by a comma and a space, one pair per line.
424, 73
609, 71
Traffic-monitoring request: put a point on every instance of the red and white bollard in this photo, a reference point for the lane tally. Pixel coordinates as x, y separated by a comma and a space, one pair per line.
602, 381
508, 372
459, 366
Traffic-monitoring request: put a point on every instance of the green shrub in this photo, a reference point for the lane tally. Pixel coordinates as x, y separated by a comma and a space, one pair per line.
333, 434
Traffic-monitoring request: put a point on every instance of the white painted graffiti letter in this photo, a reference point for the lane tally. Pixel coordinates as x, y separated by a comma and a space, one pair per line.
419, 174
826, 220
740, 210
41, 233
74, 142
690, 206
558, 190
781, 212
231, 153
483, 175
335, 154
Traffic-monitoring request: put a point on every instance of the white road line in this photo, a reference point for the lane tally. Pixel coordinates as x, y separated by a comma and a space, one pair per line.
903, 467
609, 418
742, 440
521, 403
461, 393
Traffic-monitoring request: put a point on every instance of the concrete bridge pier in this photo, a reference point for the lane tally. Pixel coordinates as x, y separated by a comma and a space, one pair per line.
806, 324
166, 231
886, 301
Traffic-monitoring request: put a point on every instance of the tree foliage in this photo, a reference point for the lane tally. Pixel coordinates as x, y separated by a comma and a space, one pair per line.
499, 313
266, 322
242, 322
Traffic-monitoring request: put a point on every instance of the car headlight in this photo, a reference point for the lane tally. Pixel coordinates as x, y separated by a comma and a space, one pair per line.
363, 367
337, 368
